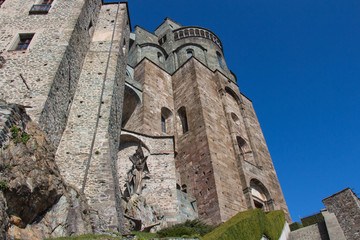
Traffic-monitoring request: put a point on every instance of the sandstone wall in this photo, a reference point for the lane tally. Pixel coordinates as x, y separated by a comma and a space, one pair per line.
193, 160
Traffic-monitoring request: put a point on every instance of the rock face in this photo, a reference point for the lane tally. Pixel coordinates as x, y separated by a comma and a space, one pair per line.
39, 203
143, 216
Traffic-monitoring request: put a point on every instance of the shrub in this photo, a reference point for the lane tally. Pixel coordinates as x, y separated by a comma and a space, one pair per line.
250, 225
295, 226
194, 228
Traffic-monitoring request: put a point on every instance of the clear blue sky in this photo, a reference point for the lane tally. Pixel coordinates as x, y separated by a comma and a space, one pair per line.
299, 61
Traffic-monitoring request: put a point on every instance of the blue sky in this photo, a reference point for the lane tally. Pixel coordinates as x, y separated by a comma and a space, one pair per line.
299, 61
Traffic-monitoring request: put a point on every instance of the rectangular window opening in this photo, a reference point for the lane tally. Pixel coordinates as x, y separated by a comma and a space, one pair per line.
23, 41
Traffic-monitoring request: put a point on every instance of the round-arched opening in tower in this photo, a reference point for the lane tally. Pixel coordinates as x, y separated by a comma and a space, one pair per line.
260, 195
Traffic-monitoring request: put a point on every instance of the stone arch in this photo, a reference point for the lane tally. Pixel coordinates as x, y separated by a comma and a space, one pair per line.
233, 95
260, 195
166, 120
131, 101
235, 119
243, 146
159, 48
126, 138
183, 120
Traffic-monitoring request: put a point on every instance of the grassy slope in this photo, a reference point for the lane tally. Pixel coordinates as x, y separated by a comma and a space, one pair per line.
250, 225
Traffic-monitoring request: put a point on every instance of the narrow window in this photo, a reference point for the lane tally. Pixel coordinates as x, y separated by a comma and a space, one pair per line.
160, 57
163, 124
183, 119
220, 60
189, 53
166, 120
24, 41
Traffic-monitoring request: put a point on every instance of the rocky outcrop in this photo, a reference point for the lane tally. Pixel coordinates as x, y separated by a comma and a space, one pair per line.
142, 216
38, 202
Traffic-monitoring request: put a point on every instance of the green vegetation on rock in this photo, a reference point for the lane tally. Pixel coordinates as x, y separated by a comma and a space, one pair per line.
145, 235
87, 237
17, 137
250, 225
4, 186
194, 228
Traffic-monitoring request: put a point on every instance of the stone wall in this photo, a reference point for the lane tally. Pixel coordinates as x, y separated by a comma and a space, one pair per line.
346, 207
92, 136
51, 65
160, 189
193, 160
312, 232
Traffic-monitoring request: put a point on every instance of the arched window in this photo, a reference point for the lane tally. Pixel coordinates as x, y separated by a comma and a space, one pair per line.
235, 118
189, 53
160, 57
219, 59
260, 195
183, 119
166, 115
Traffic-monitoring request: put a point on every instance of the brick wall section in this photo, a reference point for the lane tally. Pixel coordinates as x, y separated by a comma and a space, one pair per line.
193, 160
73, 152
346, 207
157, 93
227, 179
51, 65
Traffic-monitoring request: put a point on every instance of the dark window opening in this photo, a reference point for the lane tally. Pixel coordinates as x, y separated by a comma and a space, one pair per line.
189, 53
162, 40
163, 125
258, 204
1, 2
183, 119
160, 57
42, 8
24, 41
220, 60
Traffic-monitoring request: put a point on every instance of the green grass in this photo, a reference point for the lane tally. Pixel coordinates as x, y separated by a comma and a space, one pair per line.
87, 237
295, 226
144, 235
250, 225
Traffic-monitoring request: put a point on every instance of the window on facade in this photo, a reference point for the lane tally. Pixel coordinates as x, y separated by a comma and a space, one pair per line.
166, 120
189, 53
42, 8
183, 119
160, 57
162, 40
219, 59
163, 124
24, 41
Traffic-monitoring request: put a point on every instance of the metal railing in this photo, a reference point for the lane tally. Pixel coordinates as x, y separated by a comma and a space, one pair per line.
40, 9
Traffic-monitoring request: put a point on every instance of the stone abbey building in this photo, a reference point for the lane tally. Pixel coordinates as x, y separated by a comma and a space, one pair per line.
133, 112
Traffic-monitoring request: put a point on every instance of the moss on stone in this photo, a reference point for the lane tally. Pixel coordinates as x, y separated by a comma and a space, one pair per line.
250, 225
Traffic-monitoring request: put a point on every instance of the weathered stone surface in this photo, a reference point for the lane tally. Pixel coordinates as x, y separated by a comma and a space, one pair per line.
34, 181
4, 219
138, 208
39, 203
346, 207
